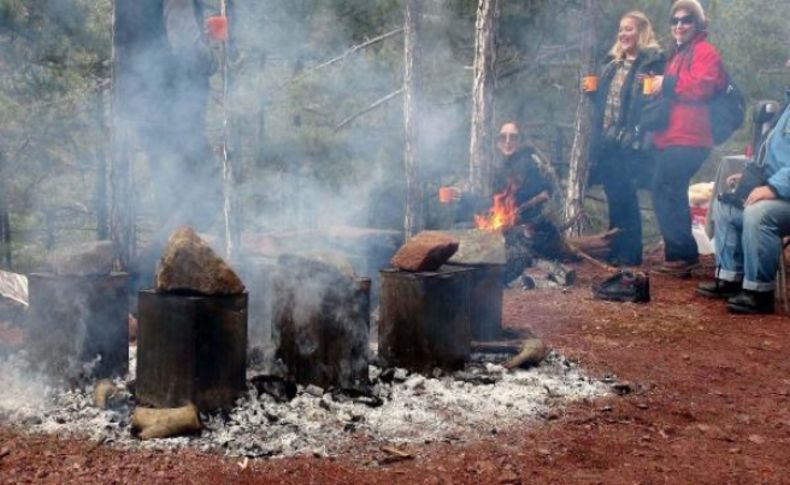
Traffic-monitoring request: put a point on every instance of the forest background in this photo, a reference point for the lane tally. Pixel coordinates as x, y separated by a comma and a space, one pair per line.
302, 135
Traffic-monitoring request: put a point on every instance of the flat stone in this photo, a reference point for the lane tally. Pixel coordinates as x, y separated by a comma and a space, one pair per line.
91, 258
427, 251
189, 264
478, 247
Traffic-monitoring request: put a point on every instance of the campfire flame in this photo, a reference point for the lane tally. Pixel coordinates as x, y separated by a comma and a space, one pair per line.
502, 214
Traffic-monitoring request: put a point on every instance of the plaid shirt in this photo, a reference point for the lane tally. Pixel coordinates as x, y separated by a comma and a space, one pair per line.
611, 114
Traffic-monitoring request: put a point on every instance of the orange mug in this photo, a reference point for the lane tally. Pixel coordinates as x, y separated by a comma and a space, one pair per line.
217, 27
449, 194
590, 84
647, 85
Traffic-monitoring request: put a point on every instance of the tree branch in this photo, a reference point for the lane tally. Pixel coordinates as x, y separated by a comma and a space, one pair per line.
342, 56
370, 108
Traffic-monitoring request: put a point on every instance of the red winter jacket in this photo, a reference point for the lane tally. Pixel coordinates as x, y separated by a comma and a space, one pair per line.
692, 77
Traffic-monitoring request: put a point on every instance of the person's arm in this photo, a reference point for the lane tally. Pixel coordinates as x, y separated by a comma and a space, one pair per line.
698, 81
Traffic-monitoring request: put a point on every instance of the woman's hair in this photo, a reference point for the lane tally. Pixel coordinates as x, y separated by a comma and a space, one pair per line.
647, 38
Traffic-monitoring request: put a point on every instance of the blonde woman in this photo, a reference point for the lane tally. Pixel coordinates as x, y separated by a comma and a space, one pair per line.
618, 152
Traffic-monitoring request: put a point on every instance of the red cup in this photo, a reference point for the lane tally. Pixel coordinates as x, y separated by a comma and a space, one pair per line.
448, 195
217, 27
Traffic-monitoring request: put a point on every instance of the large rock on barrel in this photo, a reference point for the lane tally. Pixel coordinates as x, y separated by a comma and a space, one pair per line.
91, 258
427, 251
189, 264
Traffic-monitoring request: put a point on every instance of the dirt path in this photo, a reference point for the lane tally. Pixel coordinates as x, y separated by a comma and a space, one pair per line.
709, 403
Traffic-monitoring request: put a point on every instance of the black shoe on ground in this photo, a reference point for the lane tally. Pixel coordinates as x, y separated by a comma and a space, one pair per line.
752, 303
719, 289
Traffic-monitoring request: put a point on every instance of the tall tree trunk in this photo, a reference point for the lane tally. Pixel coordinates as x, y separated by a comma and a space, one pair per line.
101, 204
412, 99
5, 224
122, 229
481, 149
579, 158
230, 172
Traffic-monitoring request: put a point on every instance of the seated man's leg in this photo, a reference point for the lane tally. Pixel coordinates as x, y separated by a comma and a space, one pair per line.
728, 224
764, 224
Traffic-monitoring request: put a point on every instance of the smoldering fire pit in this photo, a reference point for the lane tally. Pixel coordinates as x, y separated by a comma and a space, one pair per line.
191, 348
321, 322
424, 319
78, 324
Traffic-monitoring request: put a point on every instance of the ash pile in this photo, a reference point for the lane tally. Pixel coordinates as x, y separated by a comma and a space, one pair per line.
440, 369
403, 407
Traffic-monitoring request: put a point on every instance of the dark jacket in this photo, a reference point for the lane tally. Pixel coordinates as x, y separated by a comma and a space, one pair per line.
694, 75
521, 172
632, 100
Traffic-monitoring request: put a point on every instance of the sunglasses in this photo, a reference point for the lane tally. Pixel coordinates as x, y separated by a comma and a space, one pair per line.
509, 137
685, 20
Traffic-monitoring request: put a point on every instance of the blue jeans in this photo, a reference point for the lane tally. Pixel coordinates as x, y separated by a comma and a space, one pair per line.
748, 241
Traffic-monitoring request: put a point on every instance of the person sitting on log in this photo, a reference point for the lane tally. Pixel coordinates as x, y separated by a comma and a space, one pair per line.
522, 173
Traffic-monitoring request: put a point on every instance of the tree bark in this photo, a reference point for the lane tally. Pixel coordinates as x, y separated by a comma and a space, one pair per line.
230, 170
5, 224
412, 97
122, 230
579, 158
101, 204
481, 149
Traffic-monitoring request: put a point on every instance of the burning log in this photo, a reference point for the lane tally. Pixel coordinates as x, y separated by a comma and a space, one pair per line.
425, 318
322, 319
163, 423
427, 251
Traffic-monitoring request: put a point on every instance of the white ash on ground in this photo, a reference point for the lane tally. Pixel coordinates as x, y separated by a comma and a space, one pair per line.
407, 408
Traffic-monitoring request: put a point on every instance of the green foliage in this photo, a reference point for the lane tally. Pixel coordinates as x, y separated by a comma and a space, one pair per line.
54, 76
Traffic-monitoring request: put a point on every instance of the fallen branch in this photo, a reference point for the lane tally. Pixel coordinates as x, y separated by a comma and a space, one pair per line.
606, 267
342, 56
370, 108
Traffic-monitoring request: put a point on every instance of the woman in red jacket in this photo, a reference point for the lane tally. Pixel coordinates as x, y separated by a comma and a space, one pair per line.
692, 78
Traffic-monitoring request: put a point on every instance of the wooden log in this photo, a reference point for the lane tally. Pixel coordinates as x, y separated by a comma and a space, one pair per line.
532, 353
150, 423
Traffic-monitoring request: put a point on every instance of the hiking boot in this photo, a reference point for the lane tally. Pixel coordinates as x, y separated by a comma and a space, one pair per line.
624, 286
719, 289
678, 269
752, 303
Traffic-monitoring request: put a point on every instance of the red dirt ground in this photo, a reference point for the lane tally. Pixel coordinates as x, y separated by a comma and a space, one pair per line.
711, 404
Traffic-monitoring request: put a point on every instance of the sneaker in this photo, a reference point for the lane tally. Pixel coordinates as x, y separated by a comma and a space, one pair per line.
678, 269
752, 303
719, 289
